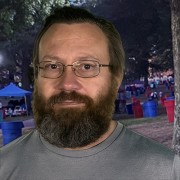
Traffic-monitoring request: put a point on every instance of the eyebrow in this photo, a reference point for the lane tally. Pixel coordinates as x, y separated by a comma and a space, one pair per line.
53, 58
56, 58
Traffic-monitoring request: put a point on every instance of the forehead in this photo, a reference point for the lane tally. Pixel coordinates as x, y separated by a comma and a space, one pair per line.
62, 31
76, 37
72, 42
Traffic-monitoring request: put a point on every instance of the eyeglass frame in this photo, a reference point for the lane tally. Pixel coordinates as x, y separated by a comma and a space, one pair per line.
73, 68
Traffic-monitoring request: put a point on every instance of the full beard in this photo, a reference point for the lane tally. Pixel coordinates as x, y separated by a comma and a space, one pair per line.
75, 126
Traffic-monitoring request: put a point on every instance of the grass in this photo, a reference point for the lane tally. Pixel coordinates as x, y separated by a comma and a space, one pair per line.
135, 121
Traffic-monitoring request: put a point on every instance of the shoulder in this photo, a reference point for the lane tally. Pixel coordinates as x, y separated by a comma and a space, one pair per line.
18, 146
19, 151
144, 145
145, 156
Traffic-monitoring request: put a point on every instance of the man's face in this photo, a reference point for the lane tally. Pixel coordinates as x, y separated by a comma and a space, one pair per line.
71, 111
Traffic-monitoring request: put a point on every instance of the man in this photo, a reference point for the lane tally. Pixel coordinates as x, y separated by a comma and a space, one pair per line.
78, 63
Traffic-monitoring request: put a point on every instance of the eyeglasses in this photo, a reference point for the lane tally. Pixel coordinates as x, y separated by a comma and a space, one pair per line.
82, 68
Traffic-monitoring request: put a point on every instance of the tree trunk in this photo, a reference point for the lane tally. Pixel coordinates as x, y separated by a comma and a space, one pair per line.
175, 25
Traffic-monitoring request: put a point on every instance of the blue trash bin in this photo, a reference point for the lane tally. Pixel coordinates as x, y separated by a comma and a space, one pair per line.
150, 109
11, 131
129, 109
128, 94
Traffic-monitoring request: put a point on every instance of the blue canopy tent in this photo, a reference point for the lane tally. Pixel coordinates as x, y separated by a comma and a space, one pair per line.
13, 90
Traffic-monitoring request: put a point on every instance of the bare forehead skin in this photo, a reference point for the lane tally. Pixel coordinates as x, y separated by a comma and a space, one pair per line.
61, 32
75, 30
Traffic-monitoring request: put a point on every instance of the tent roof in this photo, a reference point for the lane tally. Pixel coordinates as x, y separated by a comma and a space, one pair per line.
13, 90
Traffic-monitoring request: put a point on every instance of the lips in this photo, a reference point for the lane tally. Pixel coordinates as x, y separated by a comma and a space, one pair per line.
69, 99
69, 103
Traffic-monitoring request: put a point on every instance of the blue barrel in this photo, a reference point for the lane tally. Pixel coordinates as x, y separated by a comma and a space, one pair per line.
11, 131
129, 108
128, 94
150, 109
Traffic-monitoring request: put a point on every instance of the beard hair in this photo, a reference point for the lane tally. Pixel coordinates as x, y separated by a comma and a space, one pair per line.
77, 126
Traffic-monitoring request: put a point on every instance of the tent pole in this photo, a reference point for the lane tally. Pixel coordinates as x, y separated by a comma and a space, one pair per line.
26, 105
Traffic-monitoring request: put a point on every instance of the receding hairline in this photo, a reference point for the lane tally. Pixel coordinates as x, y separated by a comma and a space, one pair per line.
98, 29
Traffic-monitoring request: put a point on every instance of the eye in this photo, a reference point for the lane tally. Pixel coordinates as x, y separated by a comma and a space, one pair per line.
51, 66
86, 66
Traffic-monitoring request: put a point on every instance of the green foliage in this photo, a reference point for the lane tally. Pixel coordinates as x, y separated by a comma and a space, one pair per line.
6, 17
16, 15
145, 30
20, 21
143, 25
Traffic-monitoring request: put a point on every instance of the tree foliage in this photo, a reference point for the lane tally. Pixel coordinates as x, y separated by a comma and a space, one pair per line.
16, 15
20, 21
143, 25
145, 30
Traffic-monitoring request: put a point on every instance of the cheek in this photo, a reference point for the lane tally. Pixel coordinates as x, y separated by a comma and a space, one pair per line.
44, 88
99, 88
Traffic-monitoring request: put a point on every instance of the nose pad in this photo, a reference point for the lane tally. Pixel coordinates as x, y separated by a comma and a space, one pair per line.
73, 69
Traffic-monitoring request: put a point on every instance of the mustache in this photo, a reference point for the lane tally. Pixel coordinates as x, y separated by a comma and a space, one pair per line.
70, 96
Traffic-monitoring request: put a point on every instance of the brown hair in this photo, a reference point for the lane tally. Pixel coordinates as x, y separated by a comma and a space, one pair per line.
70, 15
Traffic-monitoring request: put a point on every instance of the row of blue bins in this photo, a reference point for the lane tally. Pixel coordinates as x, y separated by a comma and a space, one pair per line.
149, 108
11, 131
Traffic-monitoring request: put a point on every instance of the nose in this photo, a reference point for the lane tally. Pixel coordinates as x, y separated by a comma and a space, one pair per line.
68, 81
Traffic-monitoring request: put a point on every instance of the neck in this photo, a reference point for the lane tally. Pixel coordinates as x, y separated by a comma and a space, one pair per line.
111, 128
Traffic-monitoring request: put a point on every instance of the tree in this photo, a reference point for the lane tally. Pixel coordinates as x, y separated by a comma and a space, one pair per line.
145, 30
19, 22
175, 9
143, 26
